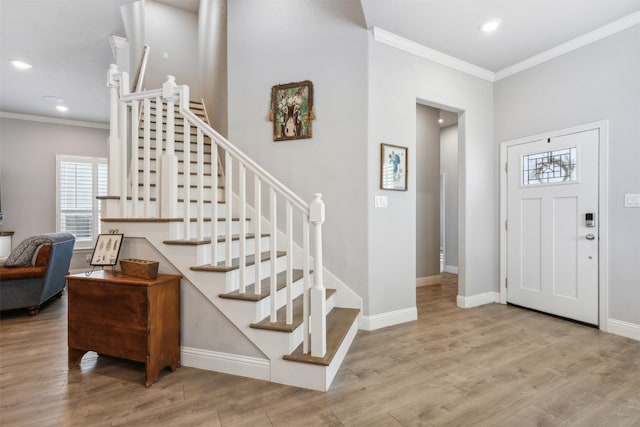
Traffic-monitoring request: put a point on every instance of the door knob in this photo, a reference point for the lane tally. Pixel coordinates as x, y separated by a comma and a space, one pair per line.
590, 236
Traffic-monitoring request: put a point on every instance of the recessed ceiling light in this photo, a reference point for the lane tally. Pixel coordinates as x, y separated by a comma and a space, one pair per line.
62, 108
21, 65
440, 121
491, 25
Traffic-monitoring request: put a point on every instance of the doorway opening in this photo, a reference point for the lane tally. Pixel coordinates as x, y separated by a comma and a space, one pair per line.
436, 194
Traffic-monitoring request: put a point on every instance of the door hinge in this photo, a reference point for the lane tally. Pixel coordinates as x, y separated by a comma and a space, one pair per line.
506, 282
506, 225
506, 168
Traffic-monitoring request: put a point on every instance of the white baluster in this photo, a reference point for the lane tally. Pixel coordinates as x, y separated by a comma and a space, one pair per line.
305, 285
159, 154
186, 178
274, 255
289, 271
146, 158
258, 232
135, 162
242, 193
318, 301
200, 189
214, 203
228, 253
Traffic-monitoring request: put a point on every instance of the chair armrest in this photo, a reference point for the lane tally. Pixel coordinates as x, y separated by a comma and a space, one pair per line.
28, 272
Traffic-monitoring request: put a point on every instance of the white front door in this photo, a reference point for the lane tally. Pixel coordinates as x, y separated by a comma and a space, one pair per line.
552, 249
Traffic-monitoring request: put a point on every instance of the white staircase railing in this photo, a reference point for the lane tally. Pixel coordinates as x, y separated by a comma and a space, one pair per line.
125, 137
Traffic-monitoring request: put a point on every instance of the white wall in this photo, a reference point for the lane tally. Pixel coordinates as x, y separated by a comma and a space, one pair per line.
396, 81
599, 81
449, 167
28, 172
427, 170
175, 32
277, 42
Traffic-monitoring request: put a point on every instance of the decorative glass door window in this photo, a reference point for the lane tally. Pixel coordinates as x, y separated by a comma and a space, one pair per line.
549, 167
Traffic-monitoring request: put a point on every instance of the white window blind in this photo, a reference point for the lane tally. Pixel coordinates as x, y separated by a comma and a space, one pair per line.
79, 181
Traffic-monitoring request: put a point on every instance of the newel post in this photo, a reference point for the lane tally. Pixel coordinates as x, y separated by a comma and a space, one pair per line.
168, 191
113, 83
318, 325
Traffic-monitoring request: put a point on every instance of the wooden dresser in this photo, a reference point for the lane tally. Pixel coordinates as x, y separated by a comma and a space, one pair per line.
125, 317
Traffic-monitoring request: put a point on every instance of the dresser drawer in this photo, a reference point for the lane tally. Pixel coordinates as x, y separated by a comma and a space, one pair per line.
107, 304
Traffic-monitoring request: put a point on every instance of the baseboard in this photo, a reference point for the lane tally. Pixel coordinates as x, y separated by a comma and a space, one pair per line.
451, 269
625, 329
428, 280
377, 321
476, 300
234, 364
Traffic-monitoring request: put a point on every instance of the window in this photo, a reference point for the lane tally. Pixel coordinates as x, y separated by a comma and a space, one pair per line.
78, 181
549, 167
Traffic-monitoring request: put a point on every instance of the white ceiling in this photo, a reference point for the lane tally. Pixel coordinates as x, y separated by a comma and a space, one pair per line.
66, 40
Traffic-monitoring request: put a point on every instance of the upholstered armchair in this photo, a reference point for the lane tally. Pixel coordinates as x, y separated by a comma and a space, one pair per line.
35, 270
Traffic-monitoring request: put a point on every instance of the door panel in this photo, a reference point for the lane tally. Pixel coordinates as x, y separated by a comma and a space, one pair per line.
551, 265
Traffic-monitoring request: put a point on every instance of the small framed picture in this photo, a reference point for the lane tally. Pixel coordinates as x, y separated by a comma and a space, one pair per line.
107, 250
393, 167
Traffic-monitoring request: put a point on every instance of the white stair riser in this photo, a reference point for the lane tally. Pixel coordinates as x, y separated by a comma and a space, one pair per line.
193, 166
192, 155
178, 229
233, 277
193, 192
202, 253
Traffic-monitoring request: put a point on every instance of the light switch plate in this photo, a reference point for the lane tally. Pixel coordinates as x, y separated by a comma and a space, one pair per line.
381, 201
632, 200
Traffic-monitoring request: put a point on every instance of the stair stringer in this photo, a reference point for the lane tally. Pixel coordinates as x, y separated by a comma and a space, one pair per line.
271, 343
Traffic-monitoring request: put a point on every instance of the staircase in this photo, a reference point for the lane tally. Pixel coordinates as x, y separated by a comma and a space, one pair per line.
267, 280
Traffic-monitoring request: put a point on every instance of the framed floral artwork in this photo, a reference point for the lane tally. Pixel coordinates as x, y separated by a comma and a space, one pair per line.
292, 110
393, 167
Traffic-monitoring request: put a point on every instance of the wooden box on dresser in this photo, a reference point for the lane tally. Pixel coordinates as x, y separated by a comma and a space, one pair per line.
126, 317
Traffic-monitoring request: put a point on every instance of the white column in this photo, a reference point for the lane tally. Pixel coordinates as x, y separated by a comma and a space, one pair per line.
113, 83
169, 162
318, 327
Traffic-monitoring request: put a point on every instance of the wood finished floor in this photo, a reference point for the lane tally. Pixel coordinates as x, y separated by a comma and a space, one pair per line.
493, 365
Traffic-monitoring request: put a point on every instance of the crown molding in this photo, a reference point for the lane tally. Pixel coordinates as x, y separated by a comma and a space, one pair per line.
422, 51
578, 42
54, 120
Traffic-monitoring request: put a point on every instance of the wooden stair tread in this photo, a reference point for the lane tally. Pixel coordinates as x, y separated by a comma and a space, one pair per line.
180, 173
280, 325
235, 263
250, 295
339, 321
207, 240
153, 199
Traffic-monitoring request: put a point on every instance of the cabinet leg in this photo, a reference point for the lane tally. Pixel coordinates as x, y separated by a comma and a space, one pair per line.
75, 356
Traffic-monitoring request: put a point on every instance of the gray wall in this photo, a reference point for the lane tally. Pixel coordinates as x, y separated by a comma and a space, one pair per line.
599, 81
277, 42
202, 325
174, 31
449, 167
427, 154
396, 81
28, 172
212, 39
